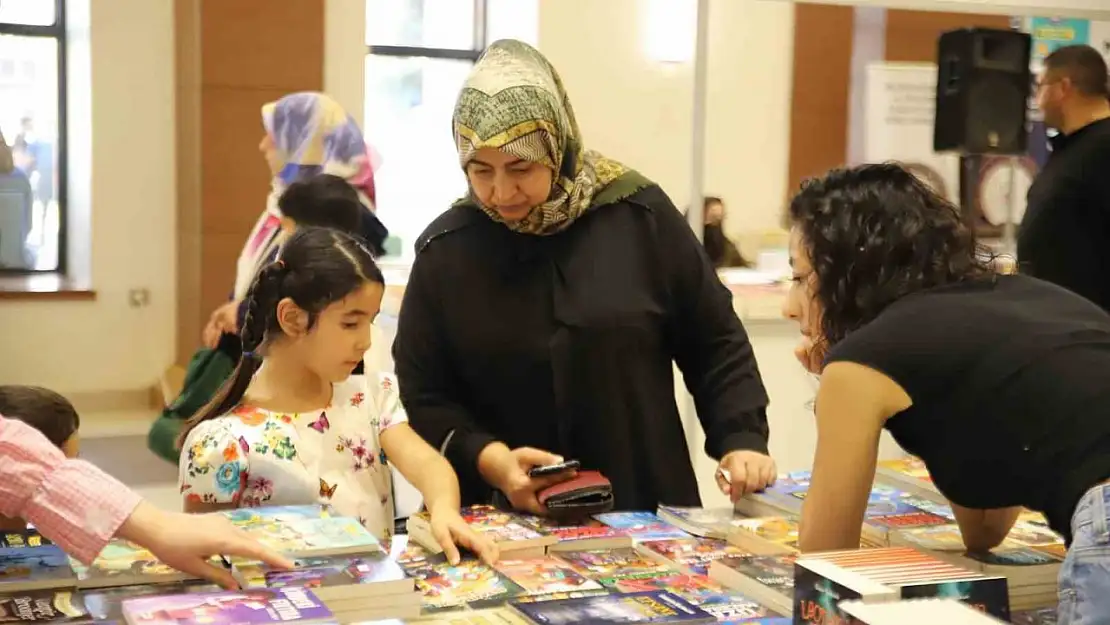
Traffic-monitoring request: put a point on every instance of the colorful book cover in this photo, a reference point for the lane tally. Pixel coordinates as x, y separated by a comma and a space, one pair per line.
608, 565
1033, 535
323, 573
497, 525
694, 553
706, 522
106, 604
701, 592
591, 528
24, 538
932, 507
817, 598
773, 572
319, 536
1022, 556
574, 594
641, 607
42, 606
544, 576
45, 566
909, 467
247, 518
122, 560
641, 525
1039, 616
470, 582
990, 595
255, 606
780, 530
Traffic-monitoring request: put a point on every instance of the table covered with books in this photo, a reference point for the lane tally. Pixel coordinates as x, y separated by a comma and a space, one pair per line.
671, 565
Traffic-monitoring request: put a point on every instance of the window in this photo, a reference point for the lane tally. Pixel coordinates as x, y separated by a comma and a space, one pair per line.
32, 120
419, 54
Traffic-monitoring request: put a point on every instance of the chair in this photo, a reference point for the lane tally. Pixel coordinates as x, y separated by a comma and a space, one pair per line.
16, 203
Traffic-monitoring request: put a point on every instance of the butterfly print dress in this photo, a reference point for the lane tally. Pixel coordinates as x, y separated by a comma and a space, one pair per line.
256, 457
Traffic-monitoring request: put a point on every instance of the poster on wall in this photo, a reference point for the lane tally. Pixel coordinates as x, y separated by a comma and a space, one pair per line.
1099, 38
1050, 33
899, 110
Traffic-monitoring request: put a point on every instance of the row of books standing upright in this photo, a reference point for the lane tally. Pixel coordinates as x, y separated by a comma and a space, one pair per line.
677, 565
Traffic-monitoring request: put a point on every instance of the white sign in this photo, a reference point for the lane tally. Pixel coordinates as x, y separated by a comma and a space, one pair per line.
899, 113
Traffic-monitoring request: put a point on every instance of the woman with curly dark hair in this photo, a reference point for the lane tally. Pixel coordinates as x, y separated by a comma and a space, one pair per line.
997, 382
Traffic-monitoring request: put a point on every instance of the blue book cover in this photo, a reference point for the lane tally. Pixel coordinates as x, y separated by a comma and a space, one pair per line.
641, 525
34, 568
637, 607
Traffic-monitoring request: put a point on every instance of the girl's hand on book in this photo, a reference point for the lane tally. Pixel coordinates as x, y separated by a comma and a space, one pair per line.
452, 532
187, 542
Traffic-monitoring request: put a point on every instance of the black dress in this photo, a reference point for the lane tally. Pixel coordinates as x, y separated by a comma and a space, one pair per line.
1010, 383
566, 343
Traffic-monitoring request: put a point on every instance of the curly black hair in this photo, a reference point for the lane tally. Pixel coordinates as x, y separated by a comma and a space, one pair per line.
874, 234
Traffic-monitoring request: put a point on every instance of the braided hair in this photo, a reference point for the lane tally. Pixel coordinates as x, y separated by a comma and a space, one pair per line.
317, 268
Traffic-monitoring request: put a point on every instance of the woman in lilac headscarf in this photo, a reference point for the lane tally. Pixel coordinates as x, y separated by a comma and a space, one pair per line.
306, 134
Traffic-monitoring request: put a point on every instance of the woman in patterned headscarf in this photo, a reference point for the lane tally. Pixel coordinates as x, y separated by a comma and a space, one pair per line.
306, 134
544, 310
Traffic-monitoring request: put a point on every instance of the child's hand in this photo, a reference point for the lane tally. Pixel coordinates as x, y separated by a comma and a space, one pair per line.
450, 530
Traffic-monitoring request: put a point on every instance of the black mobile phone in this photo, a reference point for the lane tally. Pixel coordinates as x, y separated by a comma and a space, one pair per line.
554, 469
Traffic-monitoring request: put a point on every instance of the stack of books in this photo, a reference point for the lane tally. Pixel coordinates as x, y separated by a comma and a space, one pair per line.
359, 588
512, 534
768, 580
916, 612
823, 580
245, 607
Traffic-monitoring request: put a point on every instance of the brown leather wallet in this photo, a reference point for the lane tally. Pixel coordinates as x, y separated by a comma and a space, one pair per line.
587, 493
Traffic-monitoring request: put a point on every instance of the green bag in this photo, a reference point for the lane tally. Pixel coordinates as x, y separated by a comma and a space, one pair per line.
207, 371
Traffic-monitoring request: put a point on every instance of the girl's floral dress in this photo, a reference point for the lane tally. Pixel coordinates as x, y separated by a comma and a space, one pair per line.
255, 457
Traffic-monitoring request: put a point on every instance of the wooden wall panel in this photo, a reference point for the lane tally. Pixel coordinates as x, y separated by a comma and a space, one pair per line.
243, 54
911, 36
819, 103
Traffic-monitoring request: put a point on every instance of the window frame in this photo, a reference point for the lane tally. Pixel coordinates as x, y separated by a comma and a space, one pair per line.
460, 54
57, 32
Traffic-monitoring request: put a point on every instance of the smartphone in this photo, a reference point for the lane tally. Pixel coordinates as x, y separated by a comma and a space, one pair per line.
554, 469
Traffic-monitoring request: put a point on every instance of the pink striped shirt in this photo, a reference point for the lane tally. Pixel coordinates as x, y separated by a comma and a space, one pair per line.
71, 502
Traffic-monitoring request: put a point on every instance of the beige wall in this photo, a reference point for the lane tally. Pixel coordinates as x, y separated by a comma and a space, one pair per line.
640, 111
122, 190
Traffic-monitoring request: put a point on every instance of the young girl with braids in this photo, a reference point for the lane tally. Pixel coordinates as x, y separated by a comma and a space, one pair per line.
293, 426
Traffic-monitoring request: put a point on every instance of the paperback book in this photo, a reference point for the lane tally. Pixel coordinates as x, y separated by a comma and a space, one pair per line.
703, 593
42, 606
33, 568
690, 555
512, 533
640, 607
766, 579
610, 565
256, 606
704, 522
641, 525
469, 583
545, 576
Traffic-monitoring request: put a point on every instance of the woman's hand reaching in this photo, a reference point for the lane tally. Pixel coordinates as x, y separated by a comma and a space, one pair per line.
507, 471
223, 319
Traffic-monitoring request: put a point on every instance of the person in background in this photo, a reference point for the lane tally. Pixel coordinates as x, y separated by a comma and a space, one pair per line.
305, 134
1064, 235
321, 201
997, 382
544, 312
294, 426
721, 250
7, 163
81, 508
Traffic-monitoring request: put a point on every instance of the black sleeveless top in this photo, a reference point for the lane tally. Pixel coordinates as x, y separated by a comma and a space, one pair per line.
1010, 382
